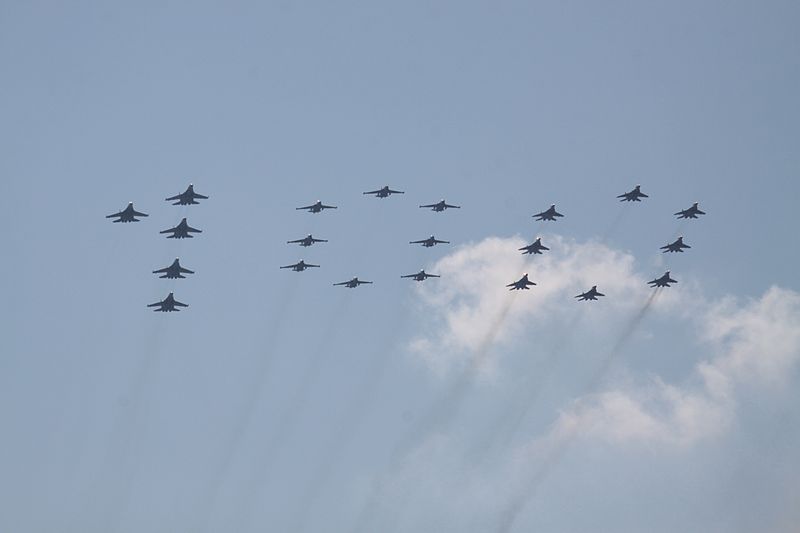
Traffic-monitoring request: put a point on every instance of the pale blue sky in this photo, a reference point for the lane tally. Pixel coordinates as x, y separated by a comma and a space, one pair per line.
275, 401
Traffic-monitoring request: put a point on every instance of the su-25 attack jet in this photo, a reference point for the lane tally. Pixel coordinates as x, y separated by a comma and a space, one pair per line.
522, 283
353, 283
663, 281
306, 241
187, 197
299, 267
384, 192
420, 276
175, 270
691, 212
550, 214
429, 242
168, 304
591, 294
534, 248
676, 246
316, 207
441, 205
128, 214
181, 231
633, 196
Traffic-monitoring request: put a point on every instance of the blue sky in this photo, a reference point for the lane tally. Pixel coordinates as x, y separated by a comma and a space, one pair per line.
278, 402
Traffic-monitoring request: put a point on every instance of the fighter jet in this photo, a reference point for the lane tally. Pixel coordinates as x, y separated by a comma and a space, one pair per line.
384, 192
535, 248
663, 281
420, 276
175, 270
522, 283
306, 241
550, 214
299, 267
429, 242
676, 246
634, 196
692, 212
181, 231
316, 207
168, 304
128, 214
441, 205
187, 197
353, 283
591, 294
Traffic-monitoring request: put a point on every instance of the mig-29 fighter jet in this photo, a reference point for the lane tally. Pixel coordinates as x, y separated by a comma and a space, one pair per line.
429, 242
128, 214
522, 283
420, 276
441, 205
384, 192
633, 196
168, 304
308, 240
299, 267
187, 197
591, 294
316, 207
676, 246
535, 248
353, 283
663, 281
691, 212
550, 214
175, 270
181, 231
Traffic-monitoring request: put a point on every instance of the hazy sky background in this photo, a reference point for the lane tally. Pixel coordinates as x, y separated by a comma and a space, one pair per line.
277, 402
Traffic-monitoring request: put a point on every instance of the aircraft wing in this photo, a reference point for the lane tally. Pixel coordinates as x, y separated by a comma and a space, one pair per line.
161, 270
305, 207
291, 266
157, 304
138, 214
373, 192
417, 242
343, 282
176, 197
432, 276
170, 230
295, 242
319, 240
429, 205
186, 270
119, 214
311, 266
323, 206
395, 192
179, 304
201, 196
452, 206
364, 282
408, 276
437, 241
194, 230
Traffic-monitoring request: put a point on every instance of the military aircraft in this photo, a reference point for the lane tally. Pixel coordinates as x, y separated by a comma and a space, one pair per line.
175, 270
308, 240
299, 267
633, 196
384, 192
441, 205
522, 283
181, 231
535, 248
316, 207
128, 214
691, 212
550, 214
187, 197
353, 283
591, 294
429, 242
420, 276
168, 304
663, 281
676, 246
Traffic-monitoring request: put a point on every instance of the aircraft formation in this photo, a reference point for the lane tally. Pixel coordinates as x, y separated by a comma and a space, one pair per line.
189, 197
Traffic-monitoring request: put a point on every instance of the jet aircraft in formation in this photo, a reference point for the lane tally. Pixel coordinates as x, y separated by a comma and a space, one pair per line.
550, 214
429, 242
691, 212
663, 281
633, 196
535, 247
306, 241
440, 206
316, 207
181, 231
522, 283
175, 270
299, 267
187, 197
168, 304
591, 294
420, 276
677, 246
384, 192
353, 283
128, 214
